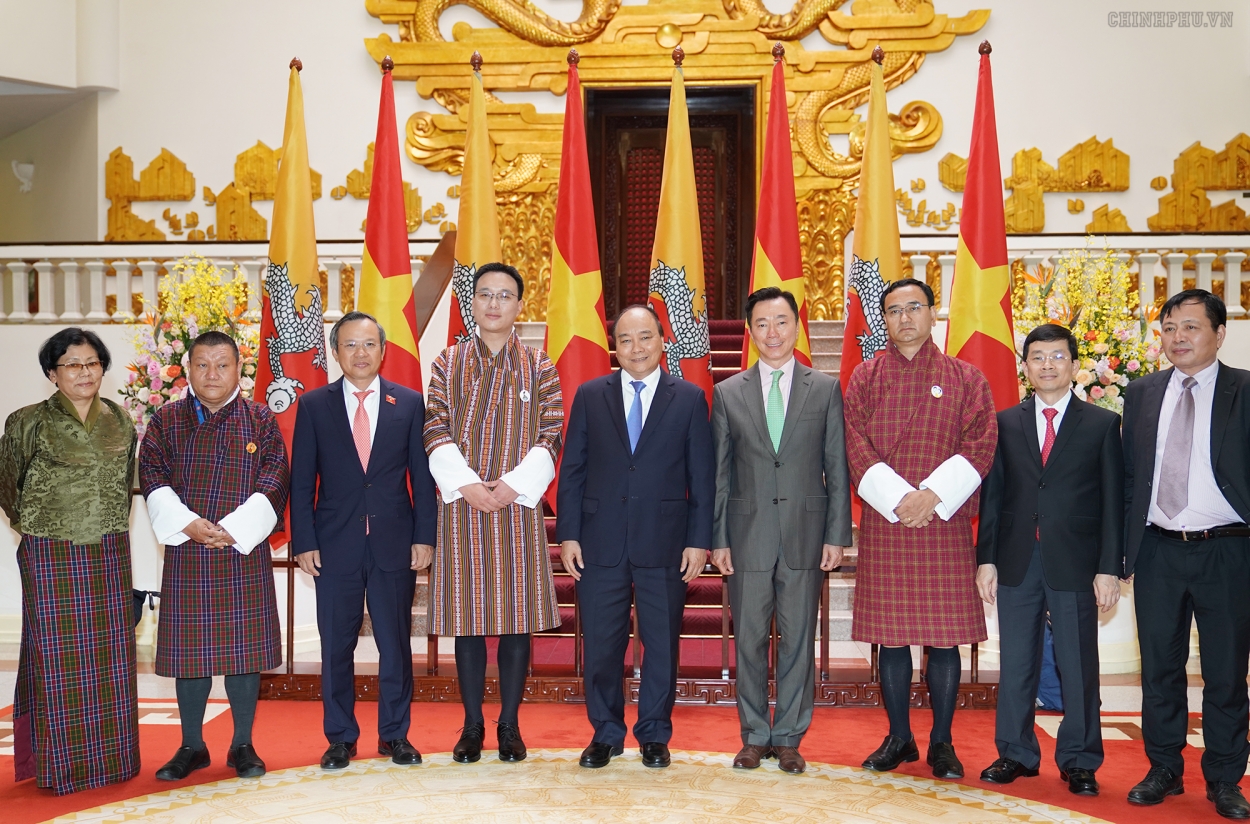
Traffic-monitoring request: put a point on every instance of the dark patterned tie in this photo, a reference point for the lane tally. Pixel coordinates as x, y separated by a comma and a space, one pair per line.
1050, 433
1174, 471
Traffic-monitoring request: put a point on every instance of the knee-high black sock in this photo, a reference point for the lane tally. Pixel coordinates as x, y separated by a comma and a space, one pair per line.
471, 673
895, 666
243, 690
514, 662
192, 701
943, 679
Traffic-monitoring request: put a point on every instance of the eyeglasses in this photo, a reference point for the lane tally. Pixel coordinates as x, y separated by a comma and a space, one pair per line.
353, 345
913, 308
73, 369
488, 297
1057, 358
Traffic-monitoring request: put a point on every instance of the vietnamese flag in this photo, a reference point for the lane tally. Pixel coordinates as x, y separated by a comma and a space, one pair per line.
577, 340
877, 254
778, 257
386, 271
292, 357
980, 330
677, 285
477, 227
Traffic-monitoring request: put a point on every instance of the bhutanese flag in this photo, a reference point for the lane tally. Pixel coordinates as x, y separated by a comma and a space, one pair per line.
577, 340
877, 255
980, 329
386, 272
477, 227
292, 357
677, 285
778, 259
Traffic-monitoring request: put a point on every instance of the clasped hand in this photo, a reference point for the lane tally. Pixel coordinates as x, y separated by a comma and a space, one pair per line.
488, 496
211, 535
917, 508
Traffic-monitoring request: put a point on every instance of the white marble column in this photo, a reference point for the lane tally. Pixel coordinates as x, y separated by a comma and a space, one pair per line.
45, 291
1176, 271
71, 273
947, 263
97, 309
1232, 284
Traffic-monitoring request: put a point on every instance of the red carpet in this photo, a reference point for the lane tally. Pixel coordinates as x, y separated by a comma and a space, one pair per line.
288, 734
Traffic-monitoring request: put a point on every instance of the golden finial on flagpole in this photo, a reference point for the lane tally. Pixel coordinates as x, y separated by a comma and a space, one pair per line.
387, 64
679, 54
296, 64
985, 47
476, 61
574, 58
878, 55
779, 51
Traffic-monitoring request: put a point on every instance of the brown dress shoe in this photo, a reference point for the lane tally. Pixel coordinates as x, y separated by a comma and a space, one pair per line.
750, 756
789, 760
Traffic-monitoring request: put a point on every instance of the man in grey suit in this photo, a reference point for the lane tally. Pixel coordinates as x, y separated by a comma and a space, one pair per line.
782, 519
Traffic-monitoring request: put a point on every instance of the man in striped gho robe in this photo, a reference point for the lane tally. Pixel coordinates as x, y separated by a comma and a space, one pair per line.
493, 425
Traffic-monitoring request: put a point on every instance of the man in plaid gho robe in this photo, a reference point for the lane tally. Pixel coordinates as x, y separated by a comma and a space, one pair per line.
920, 437
213, 468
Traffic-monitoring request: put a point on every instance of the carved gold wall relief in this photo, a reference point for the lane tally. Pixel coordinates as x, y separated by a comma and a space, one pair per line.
360, 181
1108, 220
1195, 172
726, 41
165, 178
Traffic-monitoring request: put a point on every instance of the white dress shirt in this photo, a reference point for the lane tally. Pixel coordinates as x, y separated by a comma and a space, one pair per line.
648, 392
1207, 506
1039, 405
249, 524
787, 380
372, 404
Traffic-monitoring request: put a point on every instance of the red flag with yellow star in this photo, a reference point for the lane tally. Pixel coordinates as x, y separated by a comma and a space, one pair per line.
577, 341
386, 272
778, 257
980, 308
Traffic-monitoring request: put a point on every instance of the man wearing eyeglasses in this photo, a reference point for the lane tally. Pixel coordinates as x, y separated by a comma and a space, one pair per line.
1051, 538
493, 429
920, 436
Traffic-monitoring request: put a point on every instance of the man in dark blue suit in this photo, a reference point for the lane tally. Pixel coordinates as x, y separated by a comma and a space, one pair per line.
362, 523
637, 485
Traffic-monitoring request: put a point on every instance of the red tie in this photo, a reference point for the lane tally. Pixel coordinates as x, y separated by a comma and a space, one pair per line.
1050, 433
360, 429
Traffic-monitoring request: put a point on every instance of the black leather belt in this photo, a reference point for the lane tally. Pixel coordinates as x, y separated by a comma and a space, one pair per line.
1227, 531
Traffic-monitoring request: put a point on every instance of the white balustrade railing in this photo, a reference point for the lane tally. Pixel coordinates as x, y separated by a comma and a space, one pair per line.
1149, 256
72, 284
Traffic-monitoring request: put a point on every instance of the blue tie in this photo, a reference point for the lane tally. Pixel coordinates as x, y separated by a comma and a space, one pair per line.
634, 419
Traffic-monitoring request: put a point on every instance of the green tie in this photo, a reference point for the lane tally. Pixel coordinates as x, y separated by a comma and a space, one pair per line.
775, 411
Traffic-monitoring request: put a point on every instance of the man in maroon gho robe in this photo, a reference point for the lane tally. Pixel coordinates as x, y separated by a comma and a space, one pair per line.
920, 437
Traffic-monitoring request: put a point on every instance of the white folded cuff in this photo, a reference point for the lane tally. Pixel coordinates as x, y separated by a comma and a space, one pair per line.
451, 471
531, 477
882, 488
251, 523
169, 516
953, 481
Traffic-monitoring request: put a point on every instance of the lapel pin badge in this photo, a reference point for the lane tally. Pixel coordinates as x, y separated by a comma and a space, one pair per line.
525, 396
390, 399
251, 447
936, 391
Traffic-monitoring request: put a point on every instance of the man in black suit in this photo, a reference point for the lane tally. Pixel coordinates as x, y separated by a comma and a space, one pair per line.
637, 483
1187, 494
1051, 539
360, 533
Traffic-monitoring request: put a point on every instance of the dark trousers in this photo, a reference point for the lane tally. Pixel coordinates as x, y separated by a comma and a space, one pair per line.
1175, 582
340, 612
604, 594
1021, 627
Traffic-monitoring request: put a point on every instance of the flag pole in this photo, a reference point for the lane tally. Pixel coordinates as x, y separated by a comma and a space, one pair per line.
298, 65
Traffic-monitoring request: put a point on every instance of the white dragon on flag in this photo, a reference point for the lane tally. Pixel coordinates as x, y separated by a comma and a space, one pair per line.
689, 328
865, 279
296, 332
462, 288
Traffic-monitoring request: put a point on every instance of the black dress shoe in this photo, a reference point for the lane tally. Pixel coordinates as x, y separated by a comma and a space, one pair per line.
1006, 770
655, 755
1158, 784
246, 762
892, 752
469, 748
943, 760
1229, 802
184, 762
338, 755
598, 755
400, 750
1080, 781
511, 747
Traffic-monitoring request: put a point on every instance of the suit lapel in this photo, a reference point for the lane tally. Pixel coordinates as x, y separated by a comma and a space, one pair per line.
753, 395
338, 413
664, 392
1151, 406
800, 388
1221, 410
387, 416
1026, 416
1071, 420
613, 397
